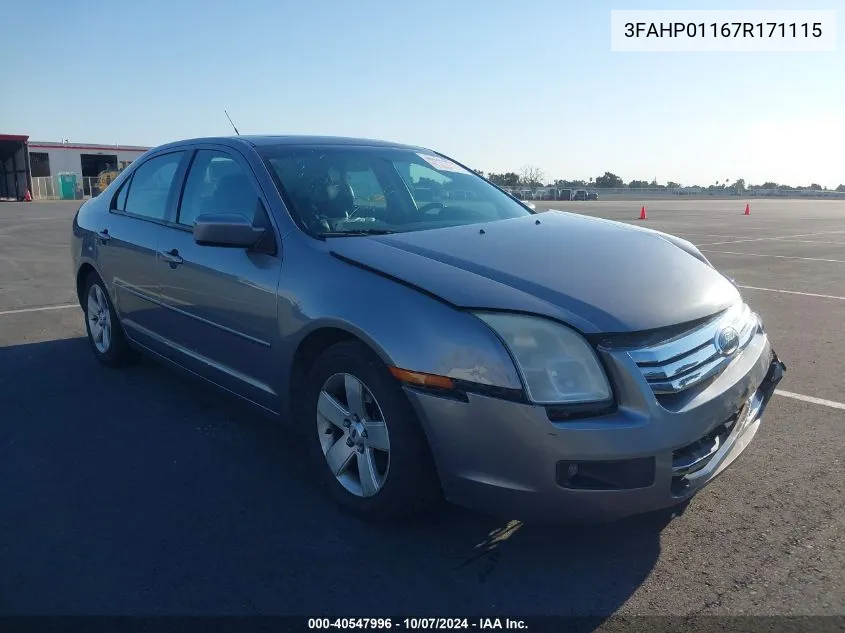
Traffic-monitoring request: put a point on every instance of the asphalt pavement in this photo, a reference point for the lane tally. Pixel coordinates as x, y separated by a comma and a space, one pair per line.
140, 492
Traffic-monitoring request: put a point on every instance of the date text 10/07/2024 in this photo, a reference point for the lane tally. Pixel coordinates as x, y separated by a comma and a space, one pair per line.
415, 624
725, 29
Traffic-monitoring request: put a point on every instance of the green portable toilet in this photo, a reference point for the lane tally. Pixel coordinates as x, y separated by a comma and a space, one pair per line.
67, 186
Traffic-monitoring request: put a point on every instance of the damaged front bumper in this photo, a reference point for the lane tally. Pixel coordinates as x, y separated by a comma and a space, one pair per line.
696, 465
512, 459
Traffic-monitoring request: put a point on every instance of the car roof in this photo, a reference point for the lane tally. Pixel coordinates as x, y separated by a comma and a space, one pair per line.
294, 140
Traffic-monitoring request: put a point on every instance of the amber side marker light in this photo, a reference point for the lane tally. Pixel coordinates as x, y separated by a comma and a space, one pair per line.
422, 380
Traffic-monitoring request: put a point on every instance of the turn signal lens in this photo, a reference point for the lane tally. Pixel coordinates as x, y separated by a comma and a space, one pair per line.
422, 380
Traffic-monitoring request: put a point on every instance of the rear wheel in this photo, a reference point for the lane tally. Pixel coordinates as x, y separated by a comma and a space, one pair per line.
365, 440
104, 331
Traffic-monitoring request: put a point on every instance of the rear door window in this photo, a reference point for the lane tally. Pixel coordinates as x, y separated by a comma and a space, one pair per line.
150, 186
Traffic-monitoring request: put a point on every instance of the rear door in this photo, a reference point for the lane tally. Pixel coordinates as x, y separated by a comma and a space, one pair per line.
221, 320
128, 242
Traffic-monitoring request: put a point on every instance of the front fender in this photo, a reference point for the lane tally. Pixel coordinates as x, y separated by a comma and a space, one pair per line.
405, 327
685, 245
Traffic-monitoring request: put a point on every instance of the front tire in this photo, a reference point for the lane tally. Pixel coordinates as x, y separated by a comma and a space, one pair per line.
366, 443
105, 333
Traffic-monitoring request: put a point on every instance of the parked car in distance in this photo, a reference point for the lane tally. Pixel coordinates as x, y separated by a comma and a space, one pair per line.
564, 194
592, 195
427, 347
580, 194
526, 203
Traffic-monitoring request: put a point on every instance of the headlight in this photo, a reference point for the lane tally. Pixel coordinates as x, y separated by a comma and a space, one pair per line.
557, 364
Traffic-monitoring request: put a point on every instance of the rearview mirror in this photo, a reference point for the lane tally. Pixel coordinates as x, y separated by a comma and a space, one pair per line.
223, 229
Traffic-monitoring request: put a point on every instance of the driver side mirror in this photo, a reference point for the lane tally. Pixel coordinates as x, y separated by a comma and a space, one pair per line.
228, 230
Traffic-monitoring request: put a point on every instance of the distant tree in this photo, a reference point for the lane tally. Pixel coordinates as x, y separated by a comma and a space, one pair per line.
508, 179
609, 180
531, 176
841, 188
428, 183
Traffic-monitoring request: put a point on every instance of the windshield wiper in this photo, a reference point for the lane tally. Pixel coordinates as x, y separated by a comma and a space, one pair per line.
357, 232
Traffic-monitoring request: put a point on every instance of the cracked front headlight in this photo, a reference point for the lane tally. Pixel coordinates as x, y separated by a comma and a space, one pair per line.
556, 363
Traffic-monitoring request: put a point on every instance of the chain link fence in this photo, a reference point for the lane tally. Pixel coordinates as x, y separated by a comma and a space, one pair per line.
546, 193
48, 188
45, 188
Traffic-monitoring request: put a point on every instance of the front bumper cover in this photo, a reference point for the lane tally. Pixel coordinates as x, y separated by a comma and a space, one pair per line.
504, 457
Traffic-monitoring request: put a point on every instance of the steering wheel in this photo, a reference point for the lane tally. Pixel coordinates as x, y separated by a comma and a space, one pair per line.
431, 205
350, 195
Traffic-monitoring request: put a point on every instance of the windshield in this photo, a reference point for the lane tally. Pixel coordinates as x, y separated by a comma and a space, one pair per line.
371, 190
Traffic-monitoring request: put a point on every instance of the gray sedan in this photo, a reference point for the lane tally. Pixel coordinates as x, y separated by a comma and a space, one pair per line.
428, 334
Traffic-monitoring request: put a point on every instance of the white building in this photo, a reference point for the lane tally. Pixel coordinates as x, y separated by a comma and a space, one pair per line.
35, 166
87, 161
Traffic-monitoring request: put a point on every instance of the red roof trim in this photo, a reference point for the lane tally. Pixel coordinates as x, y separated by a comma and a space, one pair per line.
14, 137
94, 148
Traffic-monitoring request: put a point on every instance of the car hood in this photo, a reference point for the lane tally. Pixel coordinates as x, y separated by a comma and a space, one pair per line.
596, 275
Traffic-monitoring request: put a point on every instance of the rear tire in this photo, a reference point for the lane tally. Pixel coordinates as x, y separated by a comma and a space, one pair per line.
373, 457
105, 334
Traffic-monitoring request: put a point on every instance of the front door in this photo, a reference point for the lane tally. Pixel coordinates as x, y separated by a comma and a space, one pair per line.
221, 317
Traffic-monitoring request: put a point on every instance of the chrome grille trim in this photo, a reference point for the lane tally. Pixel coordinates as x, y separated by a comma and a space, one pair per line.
675, 365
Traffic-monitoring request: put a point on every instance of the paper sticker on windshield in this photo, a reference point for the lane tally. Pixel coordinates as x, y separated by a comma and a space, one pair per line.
442, 164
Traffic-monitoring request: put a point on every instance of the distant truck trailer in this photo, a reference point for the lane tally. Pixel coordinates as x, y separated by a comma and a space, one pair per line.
15, 173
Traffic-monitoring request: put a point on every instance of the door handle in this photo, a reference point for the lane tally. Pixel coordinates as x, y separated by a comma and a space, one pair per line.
103, 236
171, 256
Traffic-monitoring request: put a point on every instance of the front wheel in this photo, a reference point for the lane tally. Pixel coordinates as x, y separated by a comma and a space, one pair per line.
366, 442
104, 331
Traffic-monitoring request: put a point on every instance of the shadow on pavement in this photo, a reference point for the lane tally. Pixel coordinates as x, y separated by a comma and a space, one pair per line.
139, 492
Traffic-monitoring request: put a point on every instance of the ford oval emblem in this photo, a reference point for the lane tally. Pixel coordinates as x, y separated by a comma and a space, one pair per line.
727, 341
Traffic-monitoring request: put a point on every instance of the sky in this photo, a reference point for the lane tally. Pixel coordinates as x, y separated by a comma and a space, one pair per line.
496, 84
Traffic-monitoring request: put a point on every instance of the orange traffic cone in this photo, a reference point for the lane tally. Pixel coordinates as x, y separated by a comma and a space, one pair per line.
643, 214
27, 197
747, 209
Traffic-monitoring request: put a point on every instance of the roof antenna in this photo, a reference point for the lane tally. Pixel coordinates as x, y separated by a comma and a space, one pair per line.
230, 121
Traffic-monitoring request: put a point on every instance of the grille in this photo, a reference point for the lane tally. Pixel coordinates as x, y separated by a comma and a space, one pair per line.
680, 363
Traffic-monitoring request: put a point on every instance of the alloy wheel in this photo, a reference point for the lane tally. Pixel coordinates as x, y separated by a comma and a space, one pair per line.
353, 435
99, 319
